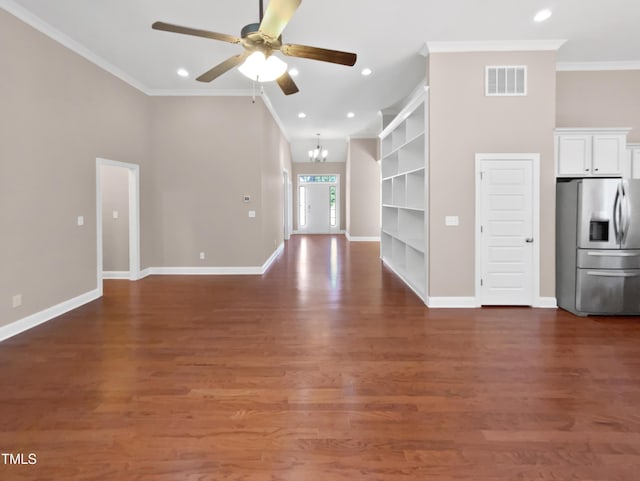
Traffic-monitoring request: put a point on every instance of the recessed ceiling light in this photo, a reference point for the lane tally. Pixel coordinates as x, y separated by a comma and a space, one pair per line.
294, 72
351, 115
366, 72
302, 115
542, 15
182, 72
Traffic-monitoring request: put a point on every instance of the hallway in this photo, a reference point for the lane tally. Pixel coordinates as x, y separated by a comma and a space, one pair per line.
325, 368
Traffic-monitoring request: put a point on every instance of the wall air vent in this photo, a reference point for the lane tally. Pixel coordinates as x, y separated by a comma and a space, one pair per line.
508, 80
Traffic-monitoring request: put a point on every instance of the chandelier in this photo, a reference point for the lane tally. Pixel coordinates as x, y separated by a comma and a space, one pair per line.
318, 154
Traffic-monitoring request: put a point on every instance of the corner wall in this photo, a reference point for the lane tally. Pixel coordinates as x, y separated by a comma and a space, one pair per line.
464, 122
363, 189
59, 113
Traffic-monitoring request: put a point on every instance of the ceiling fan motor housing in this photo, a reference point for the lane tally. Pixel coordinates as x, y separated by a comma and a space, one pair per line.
253, 39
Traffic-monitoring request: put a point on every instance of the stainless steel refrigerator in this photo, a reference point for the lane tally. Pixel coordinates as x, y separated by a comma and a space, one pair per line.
598, 246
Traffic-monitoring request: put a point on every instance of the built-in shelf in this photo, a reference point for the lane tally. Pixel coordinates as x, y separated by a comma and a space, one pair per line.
404, 191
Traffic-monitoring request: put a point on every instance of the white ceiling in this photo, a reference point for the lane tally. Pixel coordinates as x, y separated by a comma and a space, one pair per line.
387, 36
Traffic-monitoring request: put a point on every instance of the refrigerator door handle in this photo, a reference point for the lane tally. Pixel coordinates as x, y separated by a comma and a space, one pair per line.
611, 274
624, 214
612, 254
617, 215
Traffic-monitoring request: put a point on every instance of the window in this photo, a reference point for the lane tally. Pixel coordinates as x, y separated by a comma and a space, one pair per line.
302, 206
332, 206
325, 179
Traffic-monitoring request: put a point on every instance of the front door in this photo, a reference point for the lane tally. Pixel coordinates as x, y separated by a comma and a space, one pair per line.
506, 232
318, 203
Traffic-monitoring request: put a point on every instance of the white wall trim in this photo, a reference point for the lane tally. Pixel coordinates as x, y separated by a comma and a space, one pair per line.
351, 238
453, 302
546, 302
597, 66
145, 272
215, 271
55, 34
535, 159
274, 114
200, 93
337, 232
115, 275
45, 315
495, 46
134, 218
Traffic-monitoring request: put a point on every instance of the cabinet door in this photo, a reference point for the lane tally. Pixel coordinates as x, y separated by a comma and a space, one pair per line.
635, 164
608, 154
574, 154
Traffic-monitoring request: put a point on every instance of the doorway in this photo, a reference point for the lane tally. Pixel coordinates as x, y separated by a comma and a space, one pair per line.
130, 212
507, 229
287, 220
319, 204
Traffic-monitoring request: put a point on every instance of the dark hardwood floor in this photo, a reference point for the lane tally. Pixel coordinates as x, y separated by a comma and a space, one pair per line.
326, 368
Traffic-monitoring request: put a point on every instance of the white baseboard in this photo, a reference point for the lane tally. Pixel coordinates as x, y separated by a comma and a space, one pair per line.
351, 238
334, 232
213, 271
473, 302
116, 275
546, 302
453, 302
33, 320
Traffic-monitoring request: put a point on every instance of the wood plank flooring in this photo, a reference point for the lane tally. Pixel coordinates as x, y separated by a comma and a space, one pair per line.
325, 368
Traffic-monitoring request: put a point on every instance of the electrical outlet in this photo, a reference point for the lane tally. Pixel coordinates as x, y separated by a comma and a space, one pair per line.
252, 213
80, 221
115, 214
16, 301
202, 255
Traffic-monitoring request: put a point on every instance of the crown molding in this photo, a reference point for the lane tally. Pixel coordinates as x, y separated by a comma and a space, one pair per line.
495, 46
36, 22
274, 114
200, 93
597, 66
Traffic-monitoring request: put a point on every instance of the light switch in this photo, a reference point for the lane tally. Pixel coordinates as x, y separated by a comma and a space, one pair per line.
80, 220
252, 213
115, 214
451, 221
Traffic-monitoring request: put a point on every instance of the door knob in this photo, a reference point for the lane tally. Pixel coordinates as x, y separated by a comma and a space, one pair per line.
529, 240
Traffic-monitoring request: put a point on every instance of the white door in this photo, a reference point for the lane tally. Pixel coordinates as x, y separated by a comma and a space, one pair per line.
317, 206
506, 232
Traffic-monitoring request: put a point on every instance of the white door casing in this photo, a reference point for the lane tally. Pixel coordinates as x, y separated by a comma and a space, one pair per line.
316, 205
507, 218
134, 218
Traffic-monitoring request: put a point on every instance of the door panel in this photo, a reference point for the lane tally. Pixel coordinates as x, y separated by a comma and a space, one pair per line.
507, 232
318, 212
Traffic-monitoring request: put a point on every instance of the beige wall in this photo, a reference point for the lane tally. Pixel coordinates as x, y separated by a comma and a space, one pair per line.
464, 122
197, 157
208, 152
363, 188
599, 99
320, 168
58, 113
115, 231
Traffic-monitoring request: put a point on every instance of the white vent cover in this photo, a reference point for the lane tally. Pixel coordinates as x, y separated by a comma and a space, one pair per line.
506, 80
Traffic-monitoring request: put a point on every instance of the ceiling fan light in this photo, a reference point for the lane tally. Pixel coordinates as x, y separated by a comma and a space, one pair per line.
259, 68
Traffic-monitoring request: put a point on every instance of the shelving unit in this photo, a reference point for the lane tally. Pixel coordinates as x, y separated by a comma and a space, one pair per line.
404, 162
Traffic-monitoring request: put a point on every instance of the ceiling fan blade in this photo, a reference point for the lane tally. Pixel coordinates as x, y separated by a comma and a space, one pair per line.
287, 85
277, 16
167, 27
322, 54
223, 67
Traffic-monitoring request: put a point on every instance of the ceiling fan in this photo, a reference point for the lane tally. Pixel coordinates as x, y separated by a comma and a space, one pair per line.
260, 40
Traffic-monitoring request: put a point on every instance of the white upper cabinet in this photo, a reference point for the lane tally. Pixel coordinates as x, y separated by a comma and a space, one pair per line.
590, 152
632, 164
